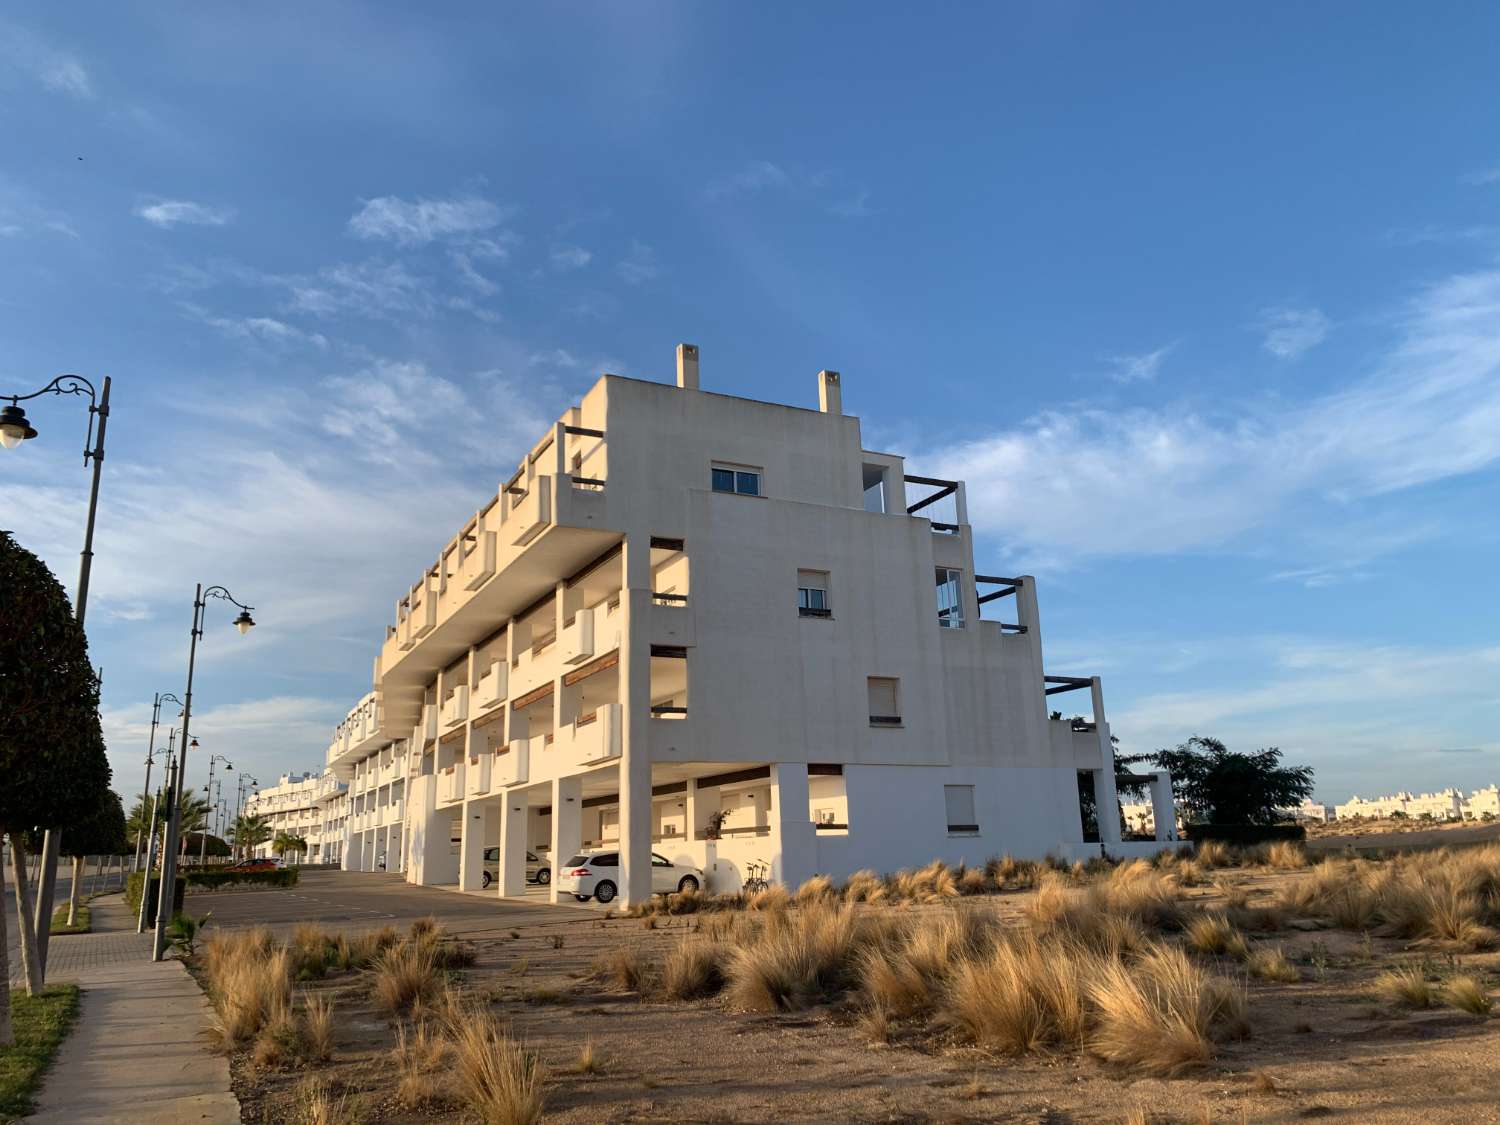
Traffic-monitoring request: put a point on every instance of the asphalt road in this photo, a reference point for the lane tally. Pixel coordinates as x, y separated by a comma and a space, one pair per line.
357, 900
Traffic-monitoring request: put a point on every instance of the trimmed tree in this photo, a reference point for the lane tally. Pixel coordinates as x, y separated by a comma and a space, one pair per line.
51, 745
1216, 785
102, 833
248, 833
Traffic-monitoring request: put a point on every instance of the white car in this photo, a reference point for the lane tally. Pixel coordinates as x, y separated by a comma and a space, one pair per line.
596, 875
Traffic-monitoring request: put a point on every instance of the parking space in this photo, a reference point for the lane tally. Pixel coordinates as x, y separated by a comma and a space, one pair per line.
355, 900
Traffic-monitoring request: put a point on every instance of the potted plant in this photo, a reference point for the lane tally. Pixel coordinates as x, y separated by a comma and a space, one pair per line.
715, 825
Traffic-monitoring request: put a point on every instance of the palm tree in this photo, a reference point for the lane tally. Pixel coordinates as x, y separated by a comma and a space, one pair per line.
288, 842
248, 832
194, 813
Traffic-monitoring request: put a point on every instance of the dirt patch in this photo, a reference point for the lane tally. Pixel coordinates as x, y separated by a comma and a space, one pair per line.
1322, 1047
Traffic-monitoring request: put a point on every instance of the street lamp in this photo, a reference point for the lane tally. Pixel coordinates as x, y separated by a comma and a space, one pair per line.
151, 751
167, 793
208, 795
174, 823
16, 428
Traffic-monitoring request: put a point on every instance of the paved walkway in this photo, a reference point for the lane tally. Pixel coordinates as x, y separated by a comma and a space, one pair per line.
139, 1050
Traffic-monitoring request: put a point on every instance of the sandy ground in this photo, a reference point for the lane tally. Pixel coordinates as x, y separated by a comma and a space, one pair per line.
1407, 835
1321, 1048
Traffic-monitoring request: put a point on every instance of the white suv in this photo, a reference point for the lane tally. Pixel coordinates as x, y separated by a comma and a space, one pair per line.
596, 875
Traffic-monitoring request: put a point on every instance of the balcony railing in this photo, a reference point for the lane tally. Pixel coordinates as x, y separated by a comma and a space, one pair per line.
456, 706
512, 765
477, 775
451, 783
491, 687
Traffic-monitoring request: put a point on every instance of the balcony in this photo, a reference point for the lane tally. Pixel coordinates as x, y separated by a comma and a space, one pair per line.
491, 687
512, 766
455, 709
593, 739
429, 721
477, 564
530, 513
577, 641
451, 783
477, 775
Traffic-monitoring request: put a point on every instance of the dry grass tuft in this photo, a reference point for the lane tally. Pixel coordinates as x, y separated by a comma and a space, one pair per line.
1215, 934
1272, 965
1406, 987
862, 885
250, 983
1468, 995
317, 1028
773, 898
316, 1105
1285, 855
629, 969
406, 975
419, 1056
1162, 1013
817, 889
1212, 853
1021, 996
279, 1040
811, 954
590, 1060
876, 1024
501, 1081
693, 969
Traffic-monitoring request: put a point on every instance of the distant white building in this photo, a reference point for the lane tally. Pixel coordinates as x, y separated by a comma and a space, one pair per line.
1314, 812
298, 804
1444, 804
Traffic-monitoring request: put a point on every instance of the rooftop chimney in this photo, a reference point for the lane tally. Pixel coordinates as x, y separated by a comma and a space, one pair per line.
830, 398
687, 366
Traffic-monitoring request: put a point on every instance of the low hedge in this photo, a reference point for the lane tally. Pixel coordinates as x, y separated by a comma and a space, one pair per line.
204, 879
133, 884
209, 878
1245, 834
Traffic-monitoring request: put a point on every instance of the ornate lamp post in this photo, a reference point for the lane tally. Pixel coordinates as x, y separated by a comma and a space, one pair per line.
208, 796
151, 751
167, 794
16, 428
244, 623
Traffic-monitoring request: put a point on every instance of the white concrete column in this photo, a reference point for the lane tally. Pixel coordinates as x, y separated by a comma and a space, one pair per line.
1106, 799
635, 694
796, 857
471, 848
1163, 807
514, 817
567, 823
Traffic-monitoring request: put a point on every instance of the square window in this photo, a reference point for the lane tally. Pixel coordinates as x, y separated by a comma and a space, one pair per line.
812, 593
740, 480
959, 800
884, 708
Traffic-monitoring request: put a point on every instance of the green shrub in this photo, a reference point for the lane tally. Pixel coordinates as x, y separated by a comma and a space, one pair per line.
209, 878
133, 886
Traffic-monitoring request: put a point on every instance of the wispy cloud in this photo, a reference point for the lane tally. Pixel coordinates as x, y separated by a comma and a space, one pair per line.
557, 357
167, 213
372, 289
1139, 368
22, 216
1288, 333
54, 69
1174, 478
763, 177
640, 265
420, 221
1481, 177
567, 257
264, 329
754, 177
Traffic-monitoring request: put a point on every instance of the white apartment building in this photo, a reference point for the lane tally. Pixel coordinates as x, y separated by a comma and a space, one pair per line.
332, 802
299, 805
1445, 804
723, 631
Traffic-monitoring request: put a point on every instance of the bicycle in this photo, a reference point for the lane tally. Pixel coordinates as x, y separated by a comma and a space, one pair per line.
755, 877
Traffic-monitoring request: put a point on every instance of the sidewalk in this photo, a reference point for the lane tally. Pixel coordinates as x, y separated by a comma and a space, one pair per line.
139, 1051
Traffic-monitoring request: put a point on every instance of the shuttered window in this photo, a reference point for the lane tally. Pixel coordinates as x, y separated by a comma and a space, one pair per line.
884, 706
959, 800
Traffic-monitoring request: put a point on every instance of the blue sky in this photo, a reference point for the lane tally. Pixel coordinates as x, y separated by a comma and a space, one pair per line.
1204, 305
